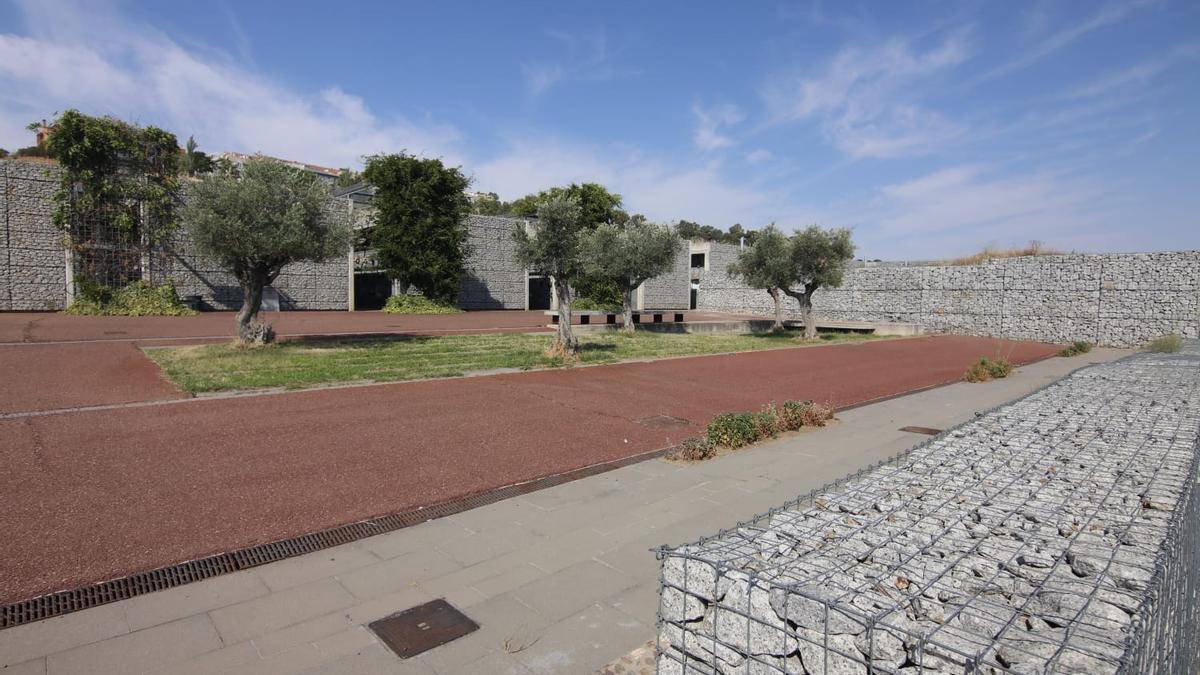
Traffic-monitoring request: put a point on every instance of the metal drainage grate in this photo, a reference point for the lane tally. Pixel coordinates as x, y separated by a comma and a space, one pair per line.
422, 628
74, 600
922, 430
663, 422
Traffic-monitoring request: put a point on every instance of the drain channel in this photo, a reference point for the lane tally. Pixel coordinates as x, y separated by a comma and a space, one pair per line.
74, 600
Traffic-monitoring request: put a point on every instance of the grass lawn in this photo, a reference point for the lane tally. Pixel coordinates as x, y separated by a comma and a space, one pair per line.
208, 368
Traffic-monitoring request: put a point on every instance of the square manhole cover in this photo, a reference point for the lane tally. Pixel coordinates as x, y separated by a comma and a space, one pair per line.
422, 628
922, 430
663, 422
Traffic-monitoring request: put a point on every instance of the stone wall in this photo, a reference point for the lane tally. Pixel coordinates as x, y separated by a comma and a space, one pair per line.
1112, 299
494, 280
34, 276
671, 290
34, 273
1030, 539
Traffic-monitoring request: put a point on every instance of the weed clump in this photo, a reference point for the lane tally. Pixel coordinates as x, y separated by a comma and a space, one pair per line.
139, 298
693, 450
988, 369
738, 429
1167, 344
733, 430
1076, 348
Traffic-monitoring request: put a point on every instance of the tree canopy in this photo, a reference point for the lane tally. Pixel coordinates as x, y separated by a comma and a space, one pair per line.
420, 232
258, 220
689, 230
629, 255
195, 162
597, 205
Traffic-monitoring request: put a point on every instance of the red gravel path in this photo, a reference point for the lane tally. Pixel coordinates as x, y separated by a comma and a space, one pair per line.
93, 495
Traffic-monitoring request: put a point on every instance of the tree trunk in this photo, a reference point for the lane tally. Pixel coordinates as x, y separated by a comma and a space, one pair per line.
627, 310
250, 330
565, 343
777, 296
806, 311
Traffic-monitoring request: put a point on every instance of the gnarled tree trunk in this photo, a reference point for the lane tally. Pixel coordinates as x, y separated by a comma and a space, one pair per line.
566, 343
777, 296
250, 330
804, 298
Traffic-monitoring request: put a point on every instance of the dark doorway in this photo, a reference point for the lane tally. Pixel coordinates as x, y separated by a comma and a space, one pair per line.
695, 297
697, 260
371, 290
539, 292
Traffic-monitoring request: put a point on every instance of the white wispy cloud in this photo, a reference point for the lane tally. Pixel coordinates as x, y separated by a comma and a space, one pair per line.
866, 98
136, 72
1139, 73
759, 156
709, 122
584, 56
1109, 14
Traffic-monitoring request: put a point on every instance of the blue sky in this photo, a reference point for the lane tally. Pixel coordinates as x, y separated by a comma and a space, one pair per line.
931, 128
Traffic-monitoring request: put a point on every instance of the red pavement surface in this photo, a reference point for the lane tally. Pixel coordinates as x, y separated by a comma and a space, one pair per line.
95, 495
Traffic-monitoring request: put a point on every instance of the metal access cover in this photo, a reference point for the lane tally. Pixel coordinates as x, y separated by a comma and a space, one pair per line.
922, 430
422, 628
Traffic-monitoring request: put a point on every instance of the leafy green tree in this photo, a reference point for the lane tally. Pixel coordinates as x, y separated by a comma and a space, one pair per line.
819, 258
348, 177
194, 161
553, 246
629, 255
3, 153
767, 264
489, 204
257, 221
420, 231
597, 205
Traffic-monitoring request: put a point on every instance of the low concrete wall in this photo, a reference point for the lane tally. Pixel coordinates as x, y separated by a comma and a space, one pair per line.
1112, 299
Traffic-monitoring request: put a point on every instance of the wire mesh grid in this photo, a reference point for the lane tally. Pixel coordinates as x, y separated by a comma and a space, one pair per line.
1022, 541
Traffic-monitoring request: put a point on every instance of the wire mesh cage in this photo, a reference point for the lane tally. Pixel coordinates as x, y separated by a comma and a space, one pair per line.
1050, 535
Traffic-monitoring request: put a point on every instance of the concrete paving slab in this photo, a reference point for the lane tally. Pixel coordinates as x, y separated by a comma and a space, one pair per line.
250, 619
585, 641
61, 633
335, 561
397, 573
572, 589
140, 651
176, 603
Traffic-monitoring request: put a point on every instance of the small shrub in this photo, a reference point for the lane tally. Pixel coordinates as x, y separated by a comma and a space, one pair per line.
768, 422
140, 298
988, 369
1076, 348
590, 305
417, 304
733, 430
1167, 344
815, 414
693, 450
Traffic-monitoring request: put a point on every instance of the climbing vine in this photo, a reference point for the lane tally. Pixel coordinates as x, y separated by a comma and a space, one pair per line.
120, 182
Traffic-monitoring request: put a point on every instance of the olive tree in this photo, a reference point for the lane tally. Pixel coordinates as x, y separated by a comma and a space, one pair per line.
255, 221
767, 264
553, 246
629, 255
818, 259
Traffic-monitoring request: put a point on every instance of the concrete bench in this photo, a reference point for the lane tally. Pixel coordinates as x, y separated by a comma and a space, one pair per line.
585, 316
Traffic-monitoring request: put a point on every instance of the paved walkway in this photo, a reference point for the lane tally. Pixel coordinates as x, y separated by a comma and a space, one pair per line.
561, 581
152, 486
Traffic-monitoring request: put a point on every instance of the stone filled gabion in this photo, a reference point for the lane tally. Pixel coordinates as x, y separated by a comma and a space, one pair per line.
1026, 540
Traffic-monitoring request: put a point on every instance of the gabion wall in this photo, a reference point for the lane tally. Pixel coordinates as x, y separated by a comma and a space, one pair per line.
1042, 537
1117, 299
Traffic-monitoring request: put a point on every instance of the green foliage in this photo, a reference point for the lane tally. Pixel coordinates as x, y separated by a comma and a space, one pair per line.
599, 292
1167, 344
768, 264
420, 232
597, 205
115, 173
140, 298
693, 450
768, 422
32, 151
988, 369
797, 414
194, 161
3, 153
689, 230
734, 430
267, 217
489, 204
348, 177
588, 304
554, 246
629, 254
417, 304
1076, 348
819, 257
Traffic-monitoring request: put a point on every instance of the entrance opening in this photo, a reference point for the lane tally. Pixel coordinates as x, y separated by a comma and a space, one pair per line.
371, 290
539, 292
695, 296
